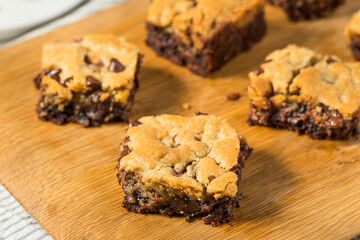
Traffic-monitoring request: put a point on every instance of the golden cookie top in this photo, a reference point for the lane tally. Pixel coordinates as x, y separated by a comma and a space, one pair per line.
102, 61
202, 17
297, 73
353, 27
192, 154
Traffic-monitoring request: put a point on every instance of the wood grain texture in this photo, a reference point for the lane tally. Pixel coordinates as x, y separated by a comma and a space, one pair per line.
64, 176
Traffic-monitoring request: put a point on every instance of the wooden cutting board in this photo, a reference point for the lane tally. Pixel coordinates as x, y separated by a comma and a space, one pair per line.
64, 176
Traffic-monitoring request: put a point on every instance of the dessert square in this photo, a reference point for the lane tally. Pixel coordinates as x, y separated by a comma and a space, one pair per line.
300, 90
90, 81
203, 35
307, 9
175, 165
352, 33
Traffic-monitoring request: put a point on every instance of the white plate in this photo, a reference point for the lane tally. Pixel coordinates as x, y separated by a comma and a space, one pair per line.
17, 16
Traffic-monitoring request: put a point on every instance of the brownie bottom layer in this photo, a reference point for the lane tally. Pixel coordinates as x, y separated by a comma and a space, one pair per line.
304, 119
86, 112
140, 198
355, 46
218, 49
307, 9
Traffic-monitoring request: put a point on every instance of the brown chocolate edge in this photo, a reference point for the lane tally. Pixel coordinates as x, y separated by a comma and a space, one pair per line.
217, 211
119, 111
308, 10
300, 117
355, 45
226, 43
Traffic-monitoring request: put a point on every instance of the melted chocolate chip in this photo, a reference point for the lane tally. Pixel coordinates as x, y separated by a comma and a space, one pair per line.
133, 122
54, 74
63, 83
38, 79
336, 120
200, 113
233, 96
330, 60
124, 152
93, 83
115, 66
258, 71
213, 25
211, 177
87, 59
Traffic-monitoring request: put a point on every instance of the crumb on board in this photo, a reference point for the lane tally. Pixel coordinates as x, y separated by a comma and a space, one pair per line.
232, 96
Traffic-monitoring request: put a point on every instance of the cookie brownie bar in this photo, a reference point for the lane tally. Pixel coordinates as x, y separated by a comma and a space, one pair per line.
307, 9
352, 32
189, 166
303, 91
90, 81
203, 34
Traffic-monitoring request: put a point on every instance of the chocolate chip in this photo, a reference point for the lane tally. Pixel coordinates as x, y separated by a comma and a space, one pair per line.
87, 59
93, 83
213, 24
124, 152
197, 139
233, 96
330, 60
38, 79
200, 113
211, 177
54, 74
133, 122
63, 83
258, 71
115, 66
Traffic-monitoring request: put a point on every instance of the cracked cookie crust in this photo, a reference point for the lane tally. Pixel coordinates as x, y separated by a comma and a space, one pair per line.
300, 90
88, 81
175, 165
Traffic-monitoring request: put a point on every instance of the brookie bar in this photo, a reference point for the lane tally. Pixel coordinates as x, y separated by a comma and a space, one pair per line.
298, 89
175, 165
90, 81
204, 34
